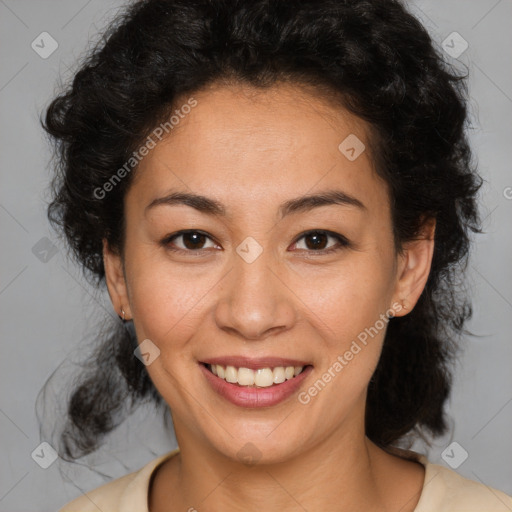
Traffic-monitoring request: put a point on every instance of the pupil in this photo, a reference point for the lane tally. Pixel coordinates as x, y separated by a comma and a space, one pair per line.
316, 237
197, 237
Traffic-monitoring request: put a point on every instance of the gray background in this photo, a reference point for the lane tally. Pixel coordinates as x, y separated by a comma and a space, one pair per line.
47, 309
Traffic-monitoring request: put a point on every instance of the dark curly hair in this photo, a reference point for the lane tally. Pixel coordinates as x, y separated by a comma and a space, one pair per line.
381, 64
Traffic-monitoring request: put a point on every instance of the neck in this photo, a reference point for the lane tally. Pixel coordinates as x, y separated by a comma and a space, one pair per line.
345, 472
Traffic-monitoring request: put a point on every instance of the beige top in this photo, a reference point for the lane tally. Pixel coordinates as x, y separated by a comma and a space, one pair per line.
444, 490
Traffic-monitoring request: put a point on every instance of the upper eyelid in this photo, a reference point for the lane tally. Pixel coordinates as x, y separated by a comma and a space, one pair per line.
337, 236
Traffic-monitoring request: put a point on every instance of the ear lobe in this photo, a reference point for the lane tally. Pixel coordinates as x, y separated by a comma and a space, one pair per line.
115, 280
414, 267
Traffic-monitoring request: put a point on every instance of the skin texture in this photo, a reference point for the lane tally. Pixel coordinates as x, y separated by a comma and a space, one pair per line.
253, 150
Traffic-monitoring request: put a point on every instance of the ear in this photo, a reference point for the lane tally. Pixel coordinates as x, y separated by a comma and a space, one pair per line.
414, 267
116, 283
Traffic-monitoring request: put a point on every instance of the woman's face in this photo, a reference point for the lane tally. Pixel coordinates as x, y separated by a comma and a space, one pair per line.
258, 280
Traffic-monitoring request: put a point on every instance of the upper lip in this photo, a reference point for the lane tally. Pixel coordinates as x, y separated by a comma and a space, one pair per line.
254, 363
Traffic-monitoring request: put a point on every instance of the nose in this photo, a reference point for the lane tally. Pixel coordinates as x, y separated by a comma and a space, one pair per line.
255, 301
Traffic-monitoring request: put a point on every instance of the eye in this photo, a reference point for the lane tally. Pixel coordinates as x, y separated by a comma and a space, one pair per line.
192, 241
315, 241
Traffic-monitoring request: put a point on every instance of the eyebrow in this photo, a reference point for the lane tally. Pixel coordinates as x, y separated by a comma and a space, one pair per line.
215, 208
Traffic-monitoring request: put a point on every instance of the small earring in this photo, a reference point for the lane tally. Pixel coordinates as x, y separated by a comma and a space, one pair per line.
122, 312
403, 304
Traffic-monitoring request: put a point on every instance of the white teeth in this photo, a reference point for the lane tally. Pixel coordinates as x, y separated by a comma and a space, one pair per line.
262, 377
245, 377
279, 376
231, 374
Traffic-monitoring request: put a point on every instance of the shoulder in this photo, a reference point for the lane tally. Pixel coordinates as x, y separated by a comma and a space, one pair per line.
444, 490
106, 497
130, 492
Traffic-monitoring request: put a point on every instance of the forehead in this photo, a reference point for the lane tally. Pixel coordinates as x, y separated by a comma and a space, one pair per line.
239, 143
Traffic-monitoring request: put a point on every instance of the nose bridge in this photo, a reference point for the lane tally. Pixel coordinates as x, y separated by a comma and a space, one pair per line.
253, 263
255, 300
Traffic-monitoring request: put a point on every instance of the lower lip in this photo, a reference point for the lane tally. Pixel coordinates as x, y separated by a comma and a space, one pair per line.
245, 396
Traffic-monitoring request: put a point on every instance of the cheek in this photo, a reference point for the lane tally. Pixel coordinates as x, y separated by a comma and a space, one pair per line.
350, 313
164, 299
350, 298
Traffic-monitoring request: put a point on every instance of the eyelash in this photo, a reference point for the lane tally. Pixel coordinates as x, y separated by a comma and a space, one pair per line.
342, 241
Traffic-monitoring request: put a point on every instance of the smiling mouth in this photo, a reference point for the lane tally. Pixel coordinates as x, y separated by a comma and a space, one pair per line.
259, 378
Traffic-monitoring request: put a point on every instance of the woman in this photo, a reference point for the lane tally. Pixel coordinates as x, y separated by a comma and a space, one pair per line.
278, 196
